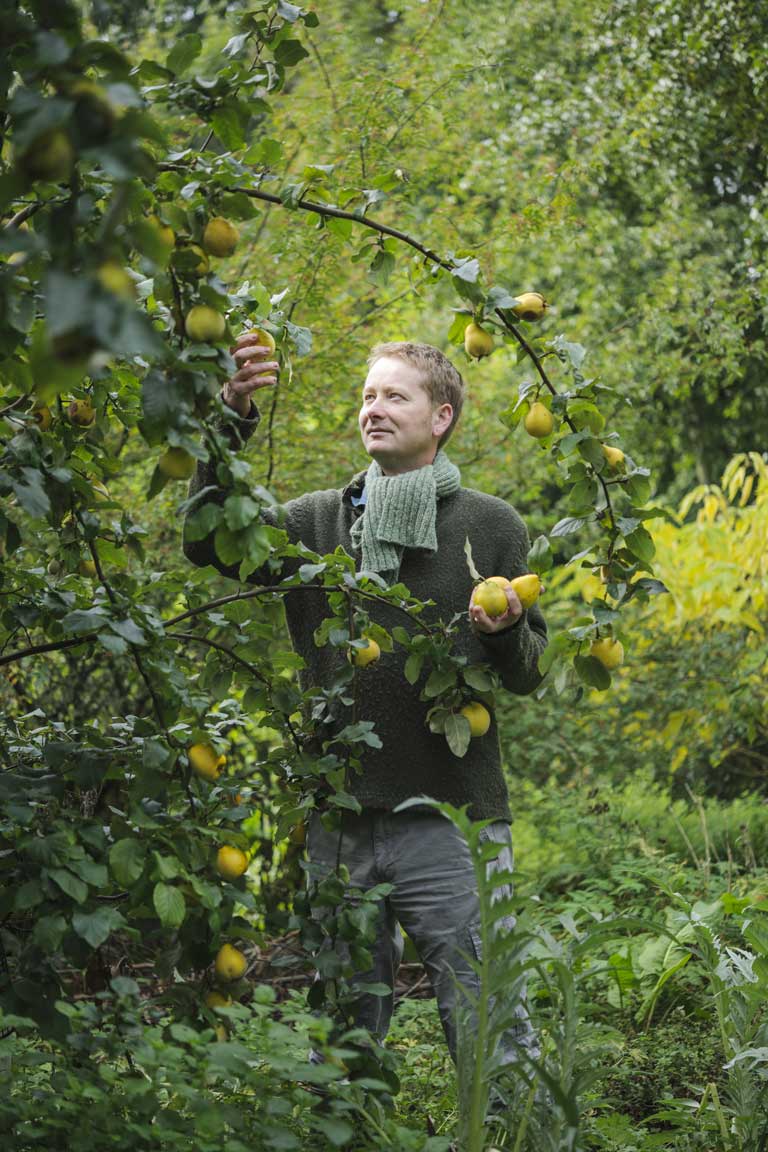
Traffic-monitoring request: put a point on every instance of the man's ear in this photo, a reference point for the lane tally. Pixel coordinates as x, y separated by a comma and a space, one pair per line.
441, 419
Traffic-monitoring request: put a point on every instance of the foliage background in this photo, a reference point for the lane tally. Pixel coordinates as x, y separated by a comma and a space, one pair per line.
613, 158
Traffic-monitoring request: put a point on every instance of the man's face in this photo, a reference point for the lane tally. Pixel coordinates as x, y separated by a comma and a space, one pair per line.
399, 425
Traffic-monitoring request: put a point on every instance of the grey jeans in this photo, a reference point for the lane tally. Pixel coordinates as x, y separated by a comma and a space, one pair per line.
435, 899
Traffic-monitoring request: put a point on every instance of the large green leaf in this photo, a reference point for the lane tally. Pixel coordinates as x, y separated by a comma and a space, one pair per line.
169, 905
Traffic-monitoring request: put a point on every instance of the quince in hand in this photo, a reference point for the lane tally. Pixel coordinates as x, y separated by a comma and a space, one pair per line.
527, 587
490, 596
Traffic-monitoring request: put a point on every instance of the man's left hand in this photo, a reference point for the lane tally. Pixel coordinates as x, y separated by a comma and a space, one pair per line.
482, 622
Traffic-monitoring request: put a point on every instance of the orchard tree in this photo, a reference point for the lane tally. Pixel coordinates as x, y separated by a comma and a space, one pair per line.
127, 188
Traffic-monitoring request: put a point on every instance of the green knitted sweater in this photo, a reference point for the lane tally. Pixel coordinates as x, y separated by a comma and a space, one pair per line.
412, 761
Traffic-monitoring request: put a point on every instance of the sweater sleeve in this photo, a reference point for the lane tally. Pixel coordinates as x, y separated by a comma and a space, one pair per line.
238, 431
514, 652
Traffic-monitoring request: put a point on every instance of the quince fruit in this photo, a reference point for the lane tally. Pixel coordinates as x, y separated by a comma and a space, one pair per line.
298, 834
265, 338
490, 596
477, 342
214, 999
362, 657
530, 306
539, 421
177, 463
204, 325
205, 761
164, 232
87, 568
230, 963
95, 113
116, 280
528, 588
608, 651
479, 717
230, 862
81, 413
49, 157
614, 456
220, 237
41, 414
182, 261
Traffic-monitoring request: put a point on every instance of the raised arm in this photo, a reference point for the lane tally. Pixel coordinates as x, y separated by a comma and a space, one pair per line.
256, 369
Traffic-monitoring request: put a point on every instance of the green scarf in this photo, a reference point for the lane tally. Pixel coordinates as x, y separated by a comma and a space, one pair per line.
401, 512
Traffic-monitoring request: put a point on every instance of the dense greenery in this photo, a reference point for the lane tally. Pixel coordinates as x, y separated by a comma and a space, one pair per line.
393, 173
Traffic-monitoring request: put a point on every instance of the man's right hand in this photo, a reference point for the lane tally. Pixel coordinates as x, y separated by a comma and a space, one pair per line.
253, 371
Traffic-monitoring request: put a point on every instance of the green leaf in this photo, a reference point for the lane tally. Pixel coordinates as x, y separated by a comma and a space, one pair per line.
592, 672
128, 630
184, 51
640, 543
81, 621
229, 547
31, 493
339, 1132
439, 681
126, 859
202, 522
478, 678
638, 488
240, 511
290, 52
555, 647
569, 524
470, 562
467, 269
96, 927
413, 666
70, 884
340, 228
567, 443
113, 644
540, 558
382, 267
229, 123
591, 450
28, 895
48, 932
169, 905
91, 871
458, 733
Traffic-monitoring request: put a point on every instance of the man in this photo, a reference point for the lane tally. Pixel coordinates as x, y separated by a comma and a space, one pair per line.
407, 518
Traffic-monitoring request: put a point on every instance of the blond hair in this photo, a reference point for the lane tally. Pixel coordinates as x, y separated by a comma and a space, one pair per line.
442, 382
